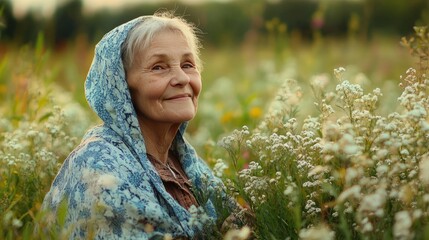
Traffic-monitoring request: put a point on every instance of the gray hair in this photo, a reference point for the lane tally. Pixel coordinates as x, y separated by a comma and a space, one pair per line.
143, 33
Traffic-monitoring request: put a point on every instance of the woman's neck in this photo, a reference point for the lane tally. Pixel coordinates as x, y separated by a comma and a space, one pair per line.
158, 138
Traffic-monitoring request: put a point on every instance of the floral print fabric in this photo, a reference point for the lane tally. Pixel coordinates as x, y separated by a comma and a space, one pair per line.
111, 189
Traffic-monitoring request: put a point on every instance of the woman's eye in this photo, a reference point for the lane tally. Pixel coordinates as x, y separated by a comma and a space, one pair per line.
188, 65
157, 68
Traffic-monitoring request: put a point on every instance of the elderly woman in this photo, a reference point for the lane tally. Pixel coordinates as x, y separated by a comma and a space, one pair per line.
135, 176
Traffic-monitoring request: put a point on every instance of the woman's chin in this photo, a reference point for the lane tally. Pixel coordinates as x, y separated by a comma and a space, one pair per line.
183, 117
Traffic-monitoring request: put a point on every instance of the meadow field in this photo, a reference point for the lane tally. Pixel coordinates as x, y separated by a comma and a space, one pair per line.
320, 139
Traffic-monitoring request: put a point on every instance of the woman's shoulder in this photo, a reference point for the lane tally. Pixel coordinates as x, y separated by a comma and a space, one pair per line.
102, 135
98, 155
101, 148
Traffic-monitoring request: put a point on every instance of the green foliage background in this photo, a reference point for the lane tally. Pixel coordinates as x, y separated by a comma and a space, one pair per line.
224, 23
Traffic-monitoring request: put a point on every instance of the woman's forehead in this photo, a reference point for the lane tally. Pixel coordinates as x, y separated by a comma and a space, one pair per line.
166, 43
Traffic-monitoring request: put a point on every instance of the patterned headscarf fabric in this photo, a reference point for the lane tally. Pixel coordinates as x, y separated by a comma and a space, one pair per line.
110, 188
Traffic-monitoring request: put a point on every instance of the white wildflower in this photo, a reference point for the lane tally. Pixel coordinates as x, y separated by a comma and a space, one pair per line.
351, 174
424, 124
426, 198
331, 147
417, 214
320, 81
294, 98
338, 72
219, 167
418, 112
349, 91
278, 175
351, 149
311, 206
366, 225
424, 169
412, 173
16, 223
374, 201
288, 190
199, 217
403, 223
405, 152
317, 170
7, 216
32, 133
321, 232
238, 234
350, 192
382, 169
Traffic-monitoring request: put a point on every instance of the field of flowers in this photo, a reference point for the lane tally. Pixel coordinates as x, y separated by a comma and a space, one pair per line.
319, 140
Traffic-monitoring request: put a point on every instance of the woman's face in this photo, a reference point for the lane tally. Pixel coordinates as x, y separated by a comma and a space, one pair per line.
164, 82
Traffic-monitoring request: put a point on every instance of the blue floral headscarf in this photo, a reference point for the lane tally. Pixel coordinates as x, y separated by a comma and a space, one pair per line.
108, 184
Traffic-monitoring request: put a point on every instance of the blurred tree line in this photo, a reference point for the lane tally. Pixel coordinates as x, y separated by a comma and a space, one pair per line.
225, 23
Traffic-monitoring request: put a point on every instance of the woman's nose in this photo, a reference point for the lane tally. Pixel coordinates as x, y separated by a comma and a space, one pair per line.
179, 77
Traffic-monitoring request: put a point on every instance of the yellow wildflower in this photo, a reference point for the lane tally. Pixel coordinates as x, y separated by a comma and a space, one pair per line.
227, 117
255, 112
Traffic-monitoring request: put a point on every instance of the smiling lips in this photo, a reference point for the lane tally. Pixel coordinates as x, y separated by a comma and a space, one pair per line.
180, 96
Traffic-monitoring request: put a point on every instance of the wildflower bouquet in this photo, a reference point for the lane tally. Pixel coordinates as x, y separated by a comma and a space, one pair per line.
348, 173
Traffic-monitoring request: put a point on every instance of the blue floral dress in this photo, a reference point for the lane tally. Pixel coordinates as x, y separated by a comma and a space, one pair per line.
109, 186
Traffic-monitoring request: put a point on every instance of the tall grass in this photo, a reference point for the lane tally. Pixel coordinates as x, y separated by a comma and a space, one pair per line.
290, 169
40, 124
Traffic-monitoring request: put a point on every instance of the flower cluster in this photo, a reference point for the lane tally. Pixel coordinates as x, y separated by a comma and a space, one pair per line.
33, 144
349, 171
